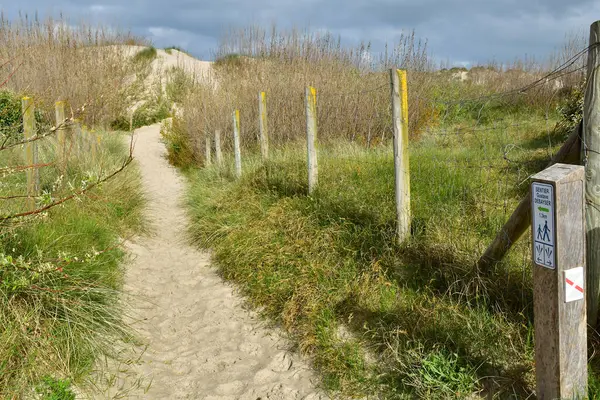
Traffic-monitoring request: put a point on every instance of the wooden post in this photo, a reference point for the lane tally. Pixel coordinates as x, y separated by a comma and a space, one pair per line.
207, 155
31, 151
558, 248
401, 167
218, 153
262, 122
311, 138
236, 143
591, 161
61, 135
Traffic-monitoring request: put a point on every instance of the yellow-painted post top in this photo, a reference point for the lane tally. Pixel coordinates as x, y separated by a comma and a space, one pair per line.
403, 95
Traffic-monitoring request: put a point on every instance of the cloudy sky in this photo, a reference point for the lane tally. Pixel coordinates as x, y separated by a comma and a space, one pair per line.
458, 31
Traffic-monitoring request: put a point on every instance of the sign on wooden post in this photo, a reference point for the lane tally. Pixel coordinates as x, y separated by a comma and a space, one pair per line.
311, 138
236, 143
207, 154
401, 166
262, 122
218, 153
31, 151
558, 241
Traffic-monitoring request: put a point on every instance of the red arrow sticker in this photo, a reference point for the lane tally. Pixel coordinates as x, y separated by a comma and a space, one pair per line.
577, 287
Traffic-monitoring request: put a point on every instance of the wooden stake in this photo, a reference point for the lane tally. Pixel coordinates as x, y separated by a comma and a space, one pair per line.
218, 153
591, 161
31, 151
262, 122
558, 248
236, 143
311, 138
401, 166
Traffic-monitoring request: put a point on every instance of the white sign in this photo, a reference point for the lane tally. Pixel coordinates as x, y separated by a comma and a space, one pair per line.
542, 209
574, 284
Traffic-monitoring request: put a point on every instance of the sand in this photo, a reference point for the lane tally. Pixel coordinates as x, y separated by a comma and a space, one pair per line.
201, 343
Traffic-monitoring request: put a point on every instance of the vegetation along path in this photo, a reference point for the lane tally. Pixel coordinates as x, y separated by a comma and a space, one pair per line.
201, 343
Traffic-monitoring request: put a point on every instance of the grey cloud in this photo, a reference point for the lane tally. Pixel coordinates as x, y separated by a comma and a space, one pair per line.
457, 30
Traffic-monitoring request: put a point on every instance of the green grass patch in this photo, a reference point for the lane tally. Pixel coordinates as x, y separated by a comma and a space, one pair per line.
169, 50
146, 55
60, 271
379, 318
152, 111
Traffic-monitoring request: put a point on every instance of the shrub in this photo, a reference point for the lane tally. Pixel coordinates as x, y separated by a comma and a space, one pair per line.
146, 55
179, 151
179, 83
570, 109
179, 49
154, 110
55, 389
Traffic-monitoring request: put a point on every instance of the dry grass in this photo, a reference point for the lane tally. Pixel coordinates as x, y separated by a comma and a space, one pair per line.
54, 60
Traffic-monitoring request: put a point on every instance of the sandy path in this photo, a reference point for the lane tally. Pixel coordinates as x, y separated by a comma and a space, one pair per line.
201, 343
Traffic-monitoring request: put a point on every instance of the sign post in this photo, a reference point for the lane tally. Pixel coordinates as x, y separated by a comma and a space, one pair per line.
558, 240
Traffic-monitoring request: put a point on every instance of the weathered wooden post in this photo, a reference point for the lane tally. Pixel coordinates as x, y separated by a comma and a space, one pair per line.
207, 149
31, 151
311, 138
61, 135
401, 166
591, 161
236, 143
558, 241
262, 123
218, 153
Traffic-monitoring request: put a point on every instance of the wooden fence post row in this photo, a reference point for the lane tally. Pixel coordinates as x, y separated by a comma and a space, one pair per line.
401, 166
236, 143
311, 138
558, 250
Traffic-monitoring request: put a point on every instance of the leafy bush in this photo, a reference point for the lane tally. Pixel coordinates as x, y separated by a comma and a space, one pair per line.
151, 112
120, 123
170, 48
55, 389
10, 109
179, 84
179, 151
146, 55
570, 108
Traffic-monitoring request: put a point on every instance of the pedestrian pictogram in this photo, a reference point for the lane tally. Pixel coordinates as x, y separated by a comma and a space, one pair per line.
542, 200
